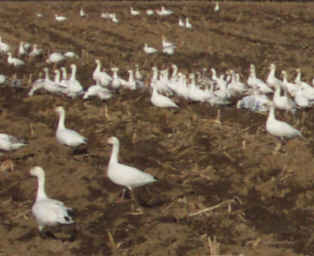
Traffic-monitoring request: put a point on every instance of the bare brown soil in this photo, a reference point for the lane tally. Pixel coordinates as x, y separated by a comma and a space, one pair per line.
265, 201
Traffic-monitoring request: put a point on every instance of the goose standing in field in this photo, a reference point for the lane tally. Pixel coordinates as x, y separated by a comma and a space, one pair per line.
35, 51
4, 47
280, 129
47, 211
102, 77
55, 57
9, 142
216, 8
188, 25
161, 101
114, 18
82, 12
134, 12
14, 61
181, 23
272, 80
60, 18
149, 12
149, 50
164, 12
74, 87
67, 136
254, 82
125, 175
70, 54
98, 91
22, 50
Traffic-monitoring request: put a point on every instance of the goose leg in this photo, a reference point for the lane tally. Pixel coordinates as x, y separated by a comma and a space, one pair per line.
136, 208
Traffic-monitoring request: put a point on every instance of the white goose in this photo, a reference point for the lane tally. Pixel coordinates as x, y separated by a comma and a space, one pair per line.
60, 18
134, 12
161, 101
74, 87
4, 47
47, 211
35, 51
98, 91
55, 57
22, 50
278, 128
149, 50
188, 25
149, 12
9, 142
164, 12
15, 61
67, 136
82, 12
125, 175
102, 77
271, 80
254, 82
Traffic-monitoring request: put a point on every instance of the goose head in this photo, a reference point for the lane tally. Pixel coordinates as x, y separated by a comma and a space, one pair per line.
37, 171
59, 109
272, 67
113, 140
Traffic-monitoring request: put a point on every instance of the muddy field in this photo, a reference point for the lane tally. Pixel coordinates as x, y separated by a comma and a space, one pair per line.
257, 202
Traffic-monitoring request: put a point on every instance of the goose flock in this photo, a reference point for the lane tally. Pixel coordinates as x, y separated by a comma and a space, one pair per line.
166, 88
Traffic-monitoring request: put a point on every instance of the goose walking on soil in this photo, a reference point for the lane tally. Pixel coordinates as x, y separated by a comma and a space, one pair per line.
280, 129
47, 211
9, 142
15, 61
67, 136
125, 175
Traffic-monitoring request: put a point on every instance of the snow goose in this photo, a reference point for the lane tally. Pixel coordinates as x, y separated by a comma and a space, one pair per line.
82, 12
35, 51
306, 88
14, 61
55, 57
9, 142
67, 136
4, 47
283, 102
117, 81
254, 82
60, 18
2, 78
47, 211
125, 175
164, 12
102, 77
188, 25
74, 87
148, 49
181, 23
271, 80
138, 74
216, 8
149, 12
114, 18
161, 101
70, 54
134, 12
22, 50
290, 87
280, 129
98, 91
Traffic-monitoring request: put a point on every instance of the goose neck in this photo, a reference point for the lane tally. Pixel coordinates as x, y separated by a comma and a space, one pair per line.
114, 153
61, 120
73, 74
41, 194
